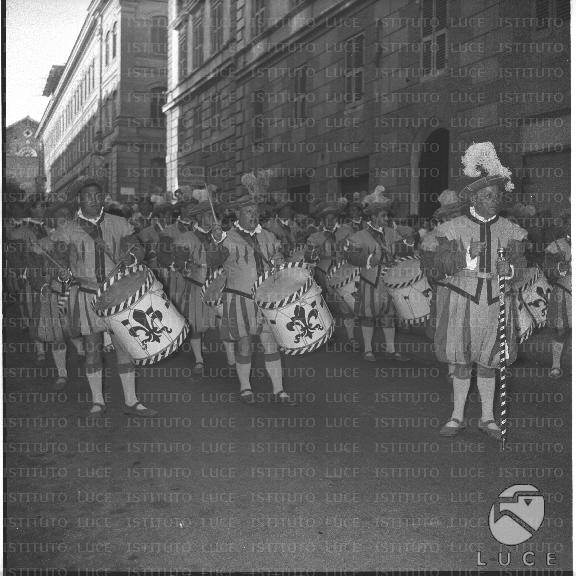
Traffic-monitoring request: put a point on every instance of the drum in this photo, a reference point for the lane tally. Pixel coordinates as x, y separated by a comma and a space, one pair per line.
410, 290
212, 291
293, 305
139, 315
297, 255
343, 280
530, 295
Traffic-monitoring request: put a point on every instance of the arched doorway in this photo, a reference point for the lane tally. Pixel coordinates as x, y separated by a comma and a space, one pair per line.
434, 170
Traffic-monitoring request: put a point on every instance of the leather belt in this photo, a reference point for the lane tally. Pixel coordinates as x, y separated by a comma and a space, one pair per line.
238, 292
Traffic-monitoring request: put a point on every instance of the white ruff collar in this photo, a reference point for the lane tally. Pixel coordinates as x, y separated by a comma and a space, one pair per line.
256, 230
478, 217
381, 230
92, 220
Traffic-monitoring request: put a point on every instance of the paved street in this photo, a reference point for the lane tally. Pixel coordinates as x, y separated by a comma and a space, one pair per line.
355, 478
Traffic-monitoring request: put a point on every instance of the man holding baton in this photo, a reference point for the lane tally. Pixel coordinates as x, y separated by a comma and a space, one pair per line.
462, 256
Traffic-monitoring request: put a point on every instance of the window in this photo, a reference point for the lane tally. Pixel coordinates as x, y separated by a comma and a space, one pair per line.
434, 22
114, 39
183, 51
197, 123
181, 131
215, 121
107, 49
259, 16
258, 112
216, 25
157, 100
197, 38
159, 33
112, 109
300, 92
354, 69
547, 10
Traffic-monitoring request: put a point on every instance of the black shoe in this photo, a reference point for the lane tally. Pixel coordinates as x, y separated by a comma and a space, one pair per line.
282, 397
247, 396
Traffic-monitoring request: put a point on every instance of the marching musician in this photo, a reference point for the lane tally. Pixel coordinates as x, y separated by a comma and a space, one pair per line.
284, 228
464, 257
355, 214
24, 237
92, 245
371, 249
450, 207
325, 248
558, 267
150, 238
246, 252
183, 248
50, 321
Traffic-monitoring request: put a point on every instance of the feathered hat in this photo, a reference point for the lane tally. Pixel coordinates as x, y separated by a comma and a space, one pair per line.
376, 202
254, 190
450, 205
323, 207
480, 159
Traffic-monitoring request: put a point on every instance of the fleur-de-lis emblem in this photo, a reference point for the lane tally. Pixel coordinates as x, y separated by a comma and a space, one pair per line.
150, 328
303, 323
541, 304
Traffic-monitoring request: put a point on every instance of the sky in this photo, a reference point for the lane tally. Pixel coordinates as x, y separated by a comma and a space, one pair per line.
39, 34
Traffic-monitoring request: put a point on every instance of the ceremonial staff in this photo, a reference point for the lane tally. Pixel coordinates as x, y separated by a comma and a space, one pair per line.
503, 347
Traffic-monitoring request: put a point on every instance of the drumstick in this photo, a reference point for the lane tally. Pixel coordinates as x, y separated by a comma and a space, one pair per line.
57, 264
211, 205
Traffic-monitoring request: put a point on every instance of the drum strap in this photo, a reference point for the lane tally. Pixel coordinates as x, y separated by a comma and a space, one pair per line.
259, 257
95, 232
380, 240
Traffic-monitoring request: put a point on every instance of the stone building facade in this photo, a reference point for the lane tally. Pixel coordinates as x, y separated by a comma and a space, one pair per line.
104, 116
23, 155
339, 96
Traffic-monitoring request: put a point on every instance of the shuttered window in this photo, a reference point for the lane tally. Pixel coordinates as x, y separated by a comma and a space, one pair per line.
354, 69
434, 32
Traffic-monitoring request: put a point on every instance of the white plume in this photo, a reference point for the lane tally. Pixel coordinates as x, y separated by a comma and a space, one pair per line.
480, 159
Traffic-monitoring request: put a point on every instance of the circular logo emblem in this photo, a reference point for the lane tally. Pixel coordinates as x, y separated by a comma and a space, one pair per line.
517, 514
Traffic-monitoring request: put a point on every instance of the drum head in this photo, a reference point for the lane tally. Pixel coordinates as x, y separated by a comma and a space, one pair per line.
282, 284
404, 272
120, 290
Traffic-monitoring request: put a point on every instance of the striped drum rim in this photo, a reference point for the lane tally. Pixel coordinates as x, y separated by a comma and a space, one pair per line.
288, 299
310, 347
401, 284
110, 311
166, 352
211, 278
353, 276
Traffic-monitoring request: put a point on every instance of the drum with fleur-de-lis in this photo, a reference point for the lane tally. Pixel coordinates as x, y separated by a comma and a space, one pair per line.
410, 290
531, 293
140, 316
293, 305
